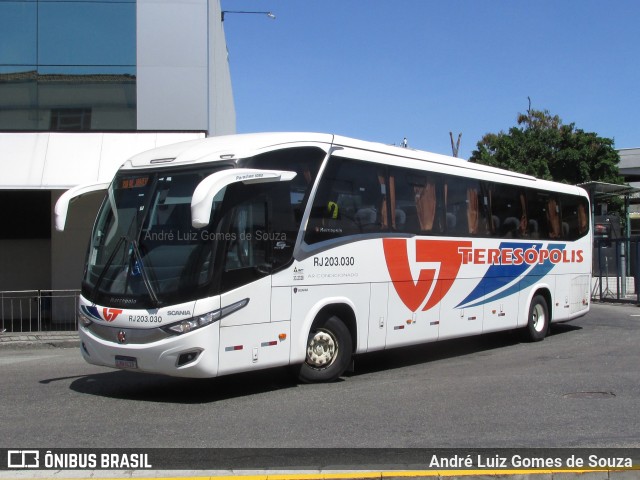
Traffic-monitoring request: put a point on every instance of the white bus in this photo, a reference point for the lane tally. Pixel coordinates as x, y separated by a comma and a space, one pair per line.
244, 252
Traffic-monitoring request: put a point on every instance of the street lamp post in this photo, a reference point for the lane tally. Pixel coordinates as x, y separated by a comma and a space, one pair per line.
268, 14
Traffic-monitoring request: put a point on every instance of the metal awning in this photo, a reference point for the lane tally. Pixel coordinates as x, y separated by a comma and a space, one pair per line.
602, 191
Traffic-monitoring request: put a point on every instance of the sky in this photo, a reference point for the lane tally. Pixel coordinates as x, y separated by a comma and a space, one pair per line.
383, 70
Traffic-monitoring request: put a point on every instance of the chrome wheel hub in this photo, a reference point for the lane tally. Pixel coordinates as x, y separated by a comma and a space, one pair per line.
322, 349
538, 318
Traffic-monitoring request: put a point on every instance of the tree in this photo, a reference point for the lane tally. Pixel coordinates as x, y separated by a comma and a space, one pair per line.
542, 146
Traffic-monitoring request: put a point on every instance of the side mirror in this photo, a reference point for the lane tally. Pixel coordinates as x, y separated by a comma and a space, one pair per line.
62, 205
207, 189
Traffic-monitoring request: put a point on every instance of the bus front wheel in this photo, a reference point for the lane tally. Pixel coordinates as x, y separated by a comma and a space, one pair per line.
328, 351
538, 321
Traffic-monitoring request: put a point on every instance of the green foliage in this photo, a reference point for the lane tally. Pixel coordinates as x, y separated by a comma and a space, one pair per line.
542, 146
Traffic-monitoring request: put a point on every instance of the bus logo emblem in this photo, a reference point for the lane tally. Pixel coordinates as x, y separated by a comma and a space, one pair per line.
122, 336
432, 283
110, 314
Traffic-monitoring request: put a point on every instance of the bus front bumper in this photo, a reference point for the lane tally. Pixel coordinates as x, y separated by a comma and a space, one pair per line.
193, 354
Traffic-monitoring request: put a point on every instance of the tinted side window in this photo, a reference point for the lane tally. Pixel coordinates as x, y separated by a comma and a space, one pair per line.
305, 161
466, 207
245, 248
509, 212
286, 200
350, 200
538, 221
417, 201
545, 215
552, 211
243, 224
575, 217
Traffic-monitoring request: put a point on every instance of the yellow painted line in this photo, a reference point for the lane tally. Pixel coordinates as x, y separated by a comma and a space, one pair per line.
323, 476
471, 473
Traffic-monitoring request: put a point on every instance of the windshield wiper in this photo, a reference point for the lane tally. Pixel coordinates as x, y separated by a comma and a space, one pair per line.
143, 272
139, 262
94, 291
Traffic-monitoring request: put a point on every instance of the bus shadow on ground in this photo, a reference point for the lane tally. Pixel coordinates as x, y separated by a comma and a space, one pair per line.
135, 386
160, 388
456, 347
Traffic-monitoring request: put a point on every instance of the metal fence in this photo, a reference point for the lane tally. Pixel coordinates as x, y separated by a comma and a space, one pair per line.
39, 310
616, 270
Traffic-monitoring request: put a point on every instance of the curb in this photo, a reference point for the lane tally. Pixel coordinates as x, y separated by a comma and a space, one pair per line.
39, 340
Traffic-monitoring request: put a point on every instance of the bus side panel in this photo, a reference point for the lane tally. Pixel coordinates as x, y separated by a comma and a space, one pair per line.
457, 320
256, 311
378, 316
406, 327
280, 304
502, 312
580, 294
572, 296
562, 298
253, 347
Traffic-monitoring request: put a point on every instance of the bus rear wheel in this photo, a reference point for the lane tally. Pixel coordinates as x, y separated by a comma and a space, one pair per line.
538, 321
328, 351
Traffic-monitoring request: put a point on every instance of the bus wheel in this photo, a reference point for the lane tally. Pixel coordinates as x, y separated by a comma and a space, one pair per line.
328, 353
538, 323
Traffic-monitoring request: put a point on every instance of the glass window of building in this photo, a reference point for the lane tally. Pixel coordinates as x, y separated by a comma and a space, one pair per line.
67, 65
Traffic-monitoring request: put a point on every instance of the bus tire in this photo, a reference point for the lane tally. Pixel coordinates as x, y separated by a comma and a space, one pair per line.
538, 320
328, 351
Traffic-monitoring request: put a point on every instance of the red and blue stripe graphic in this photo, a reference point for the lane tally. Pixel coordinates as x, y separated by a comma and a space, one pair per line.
514, 276
91, 312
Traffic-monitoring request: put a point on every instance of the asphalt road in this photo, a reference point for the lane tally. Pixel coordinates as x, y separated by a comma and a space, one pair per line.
580, 387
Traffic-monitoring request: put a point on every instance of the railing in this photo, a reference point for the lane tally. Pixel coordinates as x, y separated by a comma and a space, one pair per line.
39, 310
616, 270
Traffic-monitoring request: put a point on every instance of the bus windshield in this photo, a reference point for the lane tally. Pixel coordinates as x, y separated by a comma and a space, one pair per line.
145, 253
143, 250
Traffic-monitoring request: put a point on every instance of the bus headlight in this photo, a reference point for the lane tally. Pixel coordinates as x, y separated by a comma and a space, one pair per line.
83, 320
193, 323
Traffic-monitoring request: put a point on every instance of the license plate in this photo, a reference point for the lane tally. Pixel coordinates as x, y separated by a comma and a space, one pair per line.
126, 362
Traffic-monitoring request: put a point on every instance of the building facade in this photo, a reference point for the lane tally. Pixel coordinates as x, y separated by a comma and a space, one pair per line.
84, 85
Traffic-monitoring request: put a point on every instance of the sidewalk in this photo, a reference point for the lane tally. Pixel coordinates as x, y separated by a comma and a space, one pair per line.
39, 340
